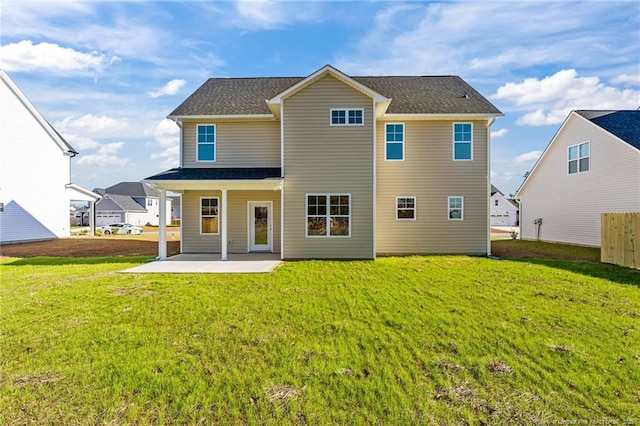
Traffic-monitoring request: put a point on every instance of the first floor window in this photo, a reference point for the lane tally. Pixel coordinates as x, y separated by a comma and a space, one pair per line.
463, 141
328, 215
206, 141
579, 158
456, 206
406, 208
208, 215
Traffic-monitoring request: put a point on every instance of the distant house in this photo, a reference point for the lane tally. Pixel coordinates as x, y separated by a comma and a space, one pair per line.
503, 211
591, 166
176, 210
132, 202
333, 166
35, 187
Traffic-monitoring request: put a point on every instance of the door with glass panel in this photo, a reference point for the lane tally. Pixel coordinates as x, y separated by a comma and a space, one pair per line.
260, 226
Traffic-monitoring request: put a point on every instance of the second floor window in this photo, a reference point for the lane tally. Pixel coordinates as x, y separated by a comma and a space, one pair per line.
206, 138
462, 141
579, 158
347, 117
394, 142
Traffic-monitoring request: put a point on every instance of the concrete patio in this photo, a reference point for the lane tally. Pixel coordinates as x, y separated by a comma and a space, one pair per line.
251, 263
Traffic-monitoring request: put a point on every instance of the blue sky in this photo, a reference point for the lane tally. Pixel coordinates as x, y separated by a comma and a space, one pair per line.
106, 74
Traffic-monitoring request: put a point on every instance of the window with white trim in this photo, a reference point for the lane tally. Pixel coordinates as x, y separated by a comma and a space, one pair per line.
328, 215
578, 157
206, 142
456, 208
347, 117
209, 218
394, 142
405, 208
463, 141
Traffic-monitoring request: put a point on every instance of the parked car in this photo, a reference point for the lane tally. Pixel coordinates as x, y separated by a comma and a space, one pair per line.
121, 228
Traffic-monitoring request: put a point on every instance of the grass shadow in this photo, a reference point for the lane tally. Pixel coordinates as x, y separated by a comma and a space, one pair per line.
613, 273
65, 261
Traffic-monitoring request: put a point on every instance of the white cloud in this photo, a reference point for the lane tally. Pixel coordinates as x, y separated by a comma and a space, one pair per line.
167, 136
80, 142
25, 56
498, 133
442, 38
107, 155
554, 97
89, 124
528, 157
171, 88
630, 79
270, 14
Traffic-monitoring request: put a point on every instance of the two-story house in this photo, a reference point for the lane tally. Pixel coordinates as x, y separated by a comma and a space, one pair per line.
333, 166
35, 172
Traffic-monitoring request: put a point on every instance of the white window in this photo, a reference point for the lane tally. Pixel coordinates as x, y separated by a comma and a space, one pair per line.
209, 216
405, 208
456, 208
578, 157
328, 215
206, 141
346, 117
394, 142
463, 141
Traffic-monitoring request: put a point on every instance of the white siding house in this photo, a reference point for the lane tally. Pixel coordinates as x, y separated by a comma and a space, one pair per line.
503, 211
35, 188
591, 166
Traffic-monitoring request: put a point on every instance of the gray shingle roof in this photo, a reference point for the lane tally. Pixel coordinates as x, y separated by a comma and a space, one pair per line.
409, 94
229, 173
126, 202
133, 189
624, 124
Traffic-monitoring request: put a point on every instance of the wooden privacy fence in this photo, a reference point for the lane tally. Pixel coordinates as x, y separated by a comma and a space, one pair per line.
620, 239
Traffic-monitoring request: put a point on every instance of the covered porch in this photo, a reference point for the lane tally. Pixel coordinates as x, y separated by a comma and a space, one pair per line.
224, 211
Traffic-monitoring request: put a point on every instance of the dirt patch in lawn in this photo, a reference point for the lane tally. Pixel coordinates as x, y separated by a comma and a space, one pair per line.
84, 246
520, 249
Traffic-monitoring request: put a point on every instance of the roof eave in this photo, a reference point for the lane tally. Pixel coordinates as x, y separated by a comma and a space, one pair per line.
274, 184
436, 116
243, 117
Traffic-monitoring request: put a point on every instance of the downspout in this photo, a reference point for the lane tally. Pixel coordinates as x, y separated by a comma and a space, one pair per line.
489, 123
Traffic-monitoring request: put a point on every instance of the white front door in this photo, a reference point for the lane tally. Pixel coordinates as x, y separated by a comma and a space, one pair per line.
260, 235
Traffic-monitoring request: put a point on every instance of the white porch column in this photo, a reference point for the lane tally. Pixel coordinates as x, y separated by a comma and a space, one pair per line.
92, 217
162, 226
223, 231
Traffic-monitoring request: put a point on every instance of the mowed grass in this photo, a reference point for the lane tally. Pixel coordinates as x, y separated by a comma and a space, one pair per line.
415, 340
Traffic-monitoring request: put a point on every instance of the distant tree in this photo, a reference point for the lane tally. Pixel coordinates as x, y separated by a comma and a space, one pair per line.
526, 175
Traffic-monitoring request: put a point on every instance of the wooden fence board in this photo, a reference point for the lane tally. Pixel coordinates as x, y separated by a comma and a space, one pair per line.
620, 239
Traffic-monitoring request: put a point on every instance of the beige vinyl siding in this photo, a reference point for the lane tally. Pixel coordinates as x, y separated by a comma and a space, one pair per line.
238, 144
320, 158
431, 175
570, 204
237, 215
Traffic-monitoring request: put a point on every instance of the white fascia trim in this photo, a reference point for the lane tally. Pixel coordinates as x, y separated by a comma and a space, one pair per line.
489, 188
84, 191
328, 70
535, 166
460, 117
55, 136
375, 186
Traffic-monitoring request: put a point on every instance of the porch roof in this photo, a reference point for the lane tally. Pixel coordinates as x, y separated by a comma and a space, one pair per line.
218, 178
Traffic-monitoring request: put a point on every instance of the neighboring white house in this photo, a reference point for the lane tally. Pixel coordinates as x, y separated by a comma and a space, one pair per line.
132, 202
591, 166
35, 188
503, 211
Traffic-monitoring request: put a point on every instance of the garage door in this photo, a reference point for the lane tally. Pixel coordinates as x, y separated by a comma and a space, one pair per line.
107, 218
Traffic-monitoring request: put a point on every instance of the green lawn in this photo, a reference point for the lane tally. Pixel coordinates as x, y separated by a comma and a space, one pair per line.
415, 340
